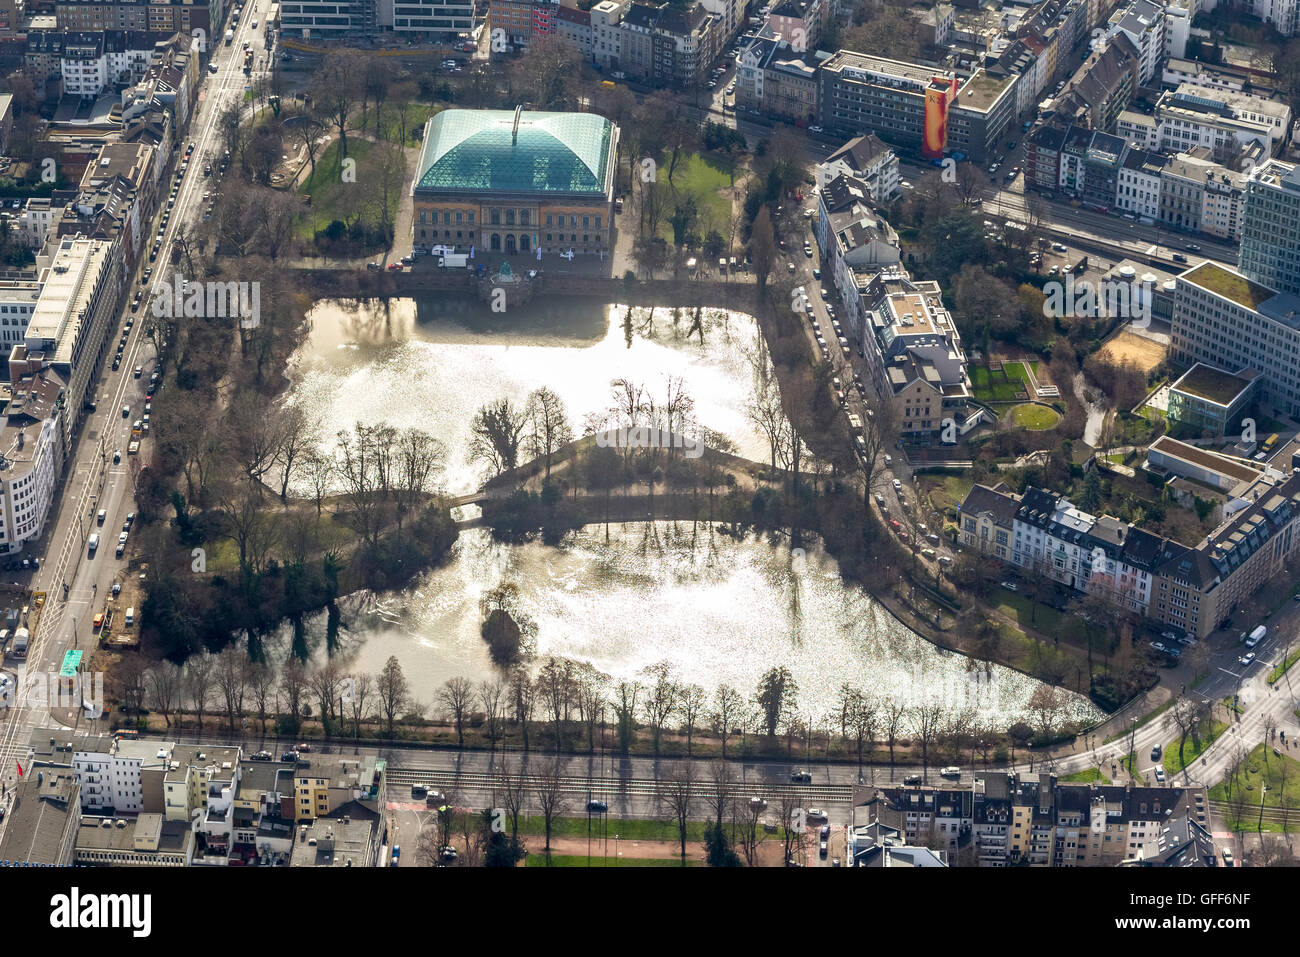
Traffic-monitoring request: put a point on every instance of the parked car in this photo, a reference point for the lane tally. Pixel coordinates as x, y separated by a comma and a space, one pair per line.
815, 814
1010, 586
952, 771
801, 777
597, 807
911, 779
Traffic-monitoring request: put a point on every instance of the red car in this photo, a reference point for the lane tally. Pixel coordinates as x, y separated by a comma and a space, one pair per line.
904, 537
304, 748
893, 523
395, 266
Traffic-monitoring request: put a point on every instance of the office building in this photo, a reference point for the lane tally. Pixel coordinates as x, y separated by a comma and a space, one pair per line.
1270, 226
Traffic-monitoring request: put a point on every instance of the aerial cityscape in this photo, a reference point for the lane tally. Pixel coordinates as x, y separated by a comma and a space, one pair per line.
650, 433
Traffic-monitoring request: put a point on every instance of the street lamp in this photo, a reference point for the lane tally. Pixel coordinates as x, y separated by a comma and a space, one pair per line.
1259, 828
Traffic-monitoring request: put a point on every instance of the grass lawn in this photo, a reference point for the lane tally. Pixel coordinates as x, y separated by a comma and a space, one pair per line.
999, 386
1035, 418
1190, 751
1086, 777
630, 829
328, 191
946, 491
1045, 619
537, 859
1284, 667
223, 554
417, 114
1261, 768
702, 179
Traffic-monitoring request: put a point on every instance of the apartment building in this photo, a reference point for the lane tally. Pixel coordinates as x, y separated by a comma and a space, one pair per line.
1143, 22
1284, 15
120, 777
326, 783
777, 81
1018, 819
1255, 545
353, 836
868, 160
685, 42
18, 298
156, 16
1139, 183
1050, 536
82, 282
1090, 166
1191, 588
855, 240
915, 358
800, 23
31, 456
1224, 197
606, 37
1179, 15
1043, 158
1270, 226
575, 24
1222, 121
1221, 78
1099, 91
90, 63
1225, 319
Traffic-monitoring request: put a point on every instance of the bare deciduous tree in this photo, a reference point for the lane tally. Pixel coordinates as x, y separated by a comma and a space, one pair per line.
456, 696
393, 691
165, 689
678, 792
492, 697
198, 683
547, 784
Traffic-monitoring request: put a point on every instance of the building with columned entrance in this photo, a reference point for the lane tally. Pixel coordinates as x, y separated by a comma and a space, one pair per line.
511, 182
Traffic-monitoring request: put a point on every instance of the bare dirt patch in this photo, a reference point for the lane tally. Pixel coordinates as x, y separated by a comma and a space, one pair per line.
1128, 347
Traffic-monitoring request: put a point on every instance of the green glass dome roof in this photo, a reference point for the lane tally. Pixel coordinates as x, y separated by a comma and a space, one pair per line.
550, 153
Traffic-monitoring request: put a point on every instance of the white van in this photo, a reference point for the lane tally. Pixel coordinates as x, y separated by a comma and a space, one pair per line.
92, 543
1256, 636
130, 617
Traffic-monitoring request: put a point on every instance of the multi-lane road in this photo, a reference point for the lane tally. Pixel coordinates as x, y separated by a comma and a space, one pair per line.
93, 479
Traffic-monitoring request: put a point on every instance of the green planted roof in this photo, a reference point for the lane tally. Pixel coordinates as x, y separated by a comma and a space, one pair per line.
552, 152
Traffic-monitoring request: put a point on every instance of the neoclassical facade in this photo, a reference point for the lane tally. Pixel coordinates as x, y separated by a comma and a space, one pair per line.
511, 182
